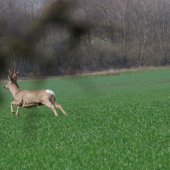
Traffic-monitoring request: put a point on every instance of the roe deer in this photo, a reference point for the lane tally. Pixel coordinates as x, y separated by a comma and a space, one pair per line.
29, 99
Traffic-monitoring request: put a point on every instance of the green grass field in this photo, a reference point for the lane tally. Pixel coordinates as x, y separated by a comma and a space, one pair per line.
114, 122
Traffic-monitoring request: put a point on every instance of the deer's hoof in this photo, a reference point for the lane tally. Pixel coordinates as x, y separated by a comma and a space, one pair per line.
17, 114
12, 111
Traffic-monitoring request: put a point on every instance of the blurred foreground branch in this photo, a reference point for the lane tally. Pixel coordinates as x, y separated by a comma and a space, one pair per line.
24, 45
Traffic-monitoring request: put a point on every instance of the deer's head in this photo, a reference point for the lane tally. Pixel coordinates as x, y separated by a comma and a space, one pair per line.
12, 80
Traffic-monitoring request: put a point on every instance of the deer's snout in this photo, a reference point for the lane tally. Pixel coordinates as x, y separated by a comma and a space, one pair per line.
5, 87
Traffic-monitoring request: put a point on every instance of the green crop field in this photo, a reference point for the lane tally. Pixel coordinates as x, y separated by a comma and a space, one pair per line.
114, 122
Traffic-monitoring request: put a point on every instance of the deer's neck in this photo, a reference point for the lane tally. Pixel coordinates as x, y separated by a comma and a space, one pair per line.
15, 90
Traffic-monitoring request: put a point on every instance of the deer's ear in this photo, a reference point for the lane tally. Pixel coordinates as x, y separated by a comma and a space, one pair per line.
9, 78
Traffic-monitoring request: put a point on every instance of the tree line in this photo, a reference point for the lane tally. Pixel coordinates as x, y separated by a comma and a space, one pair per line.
89, 35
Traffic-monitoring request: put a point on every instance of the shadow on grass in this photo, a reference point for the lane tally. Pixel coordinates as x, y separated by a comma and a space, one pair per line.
29, 131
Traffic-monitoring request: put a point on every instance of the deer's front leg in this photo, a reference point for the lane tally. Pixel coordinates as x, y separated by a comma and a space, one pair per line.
17, 113
12, 103
15, 103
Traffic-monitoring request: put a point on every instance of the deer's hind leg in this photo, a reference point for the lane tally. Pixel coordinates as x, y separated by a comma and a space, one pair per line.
59, 107
53, 101
50, 105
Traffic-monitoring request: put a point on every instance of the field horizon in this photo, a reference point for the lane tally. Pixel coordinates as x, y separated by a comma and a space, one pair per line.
103, 72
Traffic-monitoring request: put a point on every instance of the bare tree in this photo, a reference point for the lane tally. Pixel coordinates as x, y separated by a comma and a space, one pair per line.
162, 24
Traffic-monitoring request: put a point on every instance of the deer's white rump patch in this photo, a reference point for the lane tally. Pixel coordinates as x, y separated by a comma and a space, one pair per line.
50, 92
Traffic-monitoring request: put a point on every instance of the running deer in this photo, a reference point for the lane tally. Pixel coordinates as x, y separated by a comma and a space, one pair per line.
29, 99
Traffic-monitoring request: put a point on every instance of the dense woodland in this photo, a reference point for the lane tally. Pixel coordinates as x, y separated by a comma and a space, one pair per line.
116, 34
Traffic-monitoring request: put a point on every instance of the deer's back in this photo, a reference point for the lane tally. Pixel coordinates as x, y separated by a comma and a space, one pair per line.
33, 96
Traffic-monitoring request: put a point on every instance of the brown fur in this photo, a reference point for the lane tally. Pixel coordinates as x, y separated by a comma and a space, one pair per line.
29, 99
